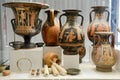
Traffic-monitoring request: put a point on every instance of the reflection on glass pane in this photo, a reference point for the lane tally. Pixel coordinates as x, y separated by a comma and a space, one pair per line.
119, 24
118, 37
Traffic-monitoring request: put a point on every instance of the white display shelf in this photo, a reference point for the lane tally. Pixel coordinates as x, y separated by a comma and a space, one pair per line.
88, 71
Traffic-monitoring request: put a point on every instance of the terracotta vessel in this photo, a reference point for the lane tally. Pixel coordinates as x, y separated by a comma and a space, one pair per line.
99, 23
50, 57
103, 54
26, 22
51, 28
71, 36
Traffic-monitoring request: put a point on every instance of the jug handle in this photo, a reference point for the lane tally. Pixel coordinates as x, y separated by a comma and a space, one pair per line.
91, 16
52, 17
38, 25
60, 19
108, 14
13, 23
113, 40
98, 42
82, 19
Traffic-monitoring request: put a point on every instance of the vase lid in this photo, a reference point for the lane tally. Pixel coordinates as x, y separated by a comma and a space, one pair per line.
72, 11
26, 4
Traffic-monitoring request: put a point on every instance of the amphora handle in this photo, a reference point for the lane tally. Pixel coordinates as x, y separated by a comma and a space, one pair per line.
82, 19
108, 14
65, 15
91, 16
60, 19
94, 11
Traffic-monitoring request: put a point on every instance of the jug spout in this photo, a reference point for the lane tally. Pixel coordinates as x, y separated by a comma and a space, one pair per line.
51, 15
51, 28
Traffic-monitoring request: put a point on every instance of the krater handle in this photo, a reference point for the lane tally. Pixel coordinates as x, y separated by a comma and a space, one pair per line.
13, 22
38, 24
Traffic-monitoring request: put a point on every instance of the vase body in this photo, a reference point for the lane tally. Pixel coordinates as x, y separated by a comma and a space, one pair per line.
51, 28
99, 23
71, 36
26, 22
103, 54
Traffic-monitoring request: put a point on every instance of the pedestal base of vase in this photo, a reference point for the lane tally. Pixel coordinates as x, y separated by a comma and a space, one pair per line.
104, 69
70, 52
28, 46
70, 49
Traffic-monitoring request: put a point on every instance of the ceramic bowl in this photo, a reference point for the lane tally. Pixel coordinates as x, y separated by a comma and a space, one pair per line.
73, 71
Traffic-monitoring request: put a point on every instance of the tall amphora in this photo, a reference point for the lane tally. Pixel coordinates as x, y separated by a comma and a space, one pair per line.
99, 22
71, 36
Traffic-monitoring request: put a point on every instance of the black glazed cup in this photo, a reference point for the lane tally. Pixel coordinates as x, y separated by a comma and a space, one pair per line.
16, 44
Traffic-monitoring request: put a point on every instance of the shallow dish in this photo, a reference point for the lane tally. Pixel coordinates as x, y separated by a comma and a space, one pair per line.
73, 71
